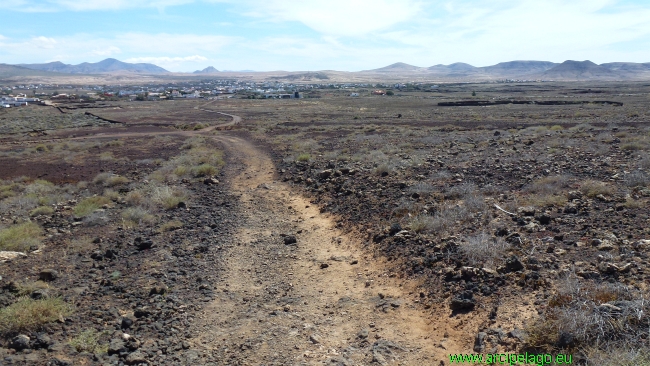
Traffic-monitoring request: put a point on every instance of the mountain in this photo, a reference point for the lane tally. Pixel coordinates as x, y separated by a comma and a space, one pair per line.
207, 70
579, 70
518, 68
12, 70
455, 68
398, 67
110, 65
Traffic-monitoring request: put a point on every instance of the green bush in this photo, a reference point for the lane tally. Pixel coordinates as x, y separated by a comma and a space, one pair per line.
20, 237
28, 315
88, 341
42, 210
89, 205
304, 157
204, 170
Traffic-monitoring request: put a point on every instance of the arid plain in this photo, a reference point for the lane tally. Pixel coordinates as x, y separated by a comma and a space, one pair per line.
337, 230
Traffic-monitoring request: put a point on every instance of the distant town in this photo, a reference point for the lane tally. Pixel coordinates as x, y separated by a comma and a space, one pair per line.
21, 94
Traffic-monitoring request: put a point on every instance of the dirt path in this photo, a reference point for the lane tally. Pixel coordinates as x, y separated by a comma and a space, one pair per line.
319, 300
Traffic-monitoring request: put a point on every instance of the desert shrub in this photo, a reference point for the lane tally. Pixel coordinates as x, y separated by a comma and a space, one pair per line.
592, 188
115, 180
89, 341
170, 226
82, 184
549, 185
111, 194
40, 187
106, 156
26, 315
588, 314
383, 169
167, 197
637, 179
182, 170
303, 157
138, 215
617, 356
421, 223
462, 190
484, 250
634, 146
556, 128
114, 143
204, 170
101, 178
97, 218
20, 237
89, 205
422, 188
474, 202
135, 198
42, 210
26, 289
544, 200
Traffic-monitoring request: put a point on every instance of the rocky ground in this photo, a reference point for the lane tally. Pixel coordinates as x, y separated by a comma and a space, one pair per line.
346, 244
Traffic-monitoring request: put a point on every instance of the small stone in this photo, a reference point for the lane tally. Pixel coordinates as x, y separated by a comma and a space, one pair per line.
314, 339
290, 239
20, 342
135, 358
479, 342
324, 265
126, 323
48, 275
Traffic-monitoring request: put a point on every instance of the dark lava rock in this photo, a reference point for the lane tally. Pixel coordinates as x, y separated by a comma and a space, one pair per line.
58, 362
135, 358
463, 301
517, 334
141, 312
479, 342
325, 174
159, 289
290, 239
20, 342
513, 264
116, 346
48, 275
210, 181
126, 323
395, 228
40, 294
324, 265
42, 341
143, 244
181, 205
543, 219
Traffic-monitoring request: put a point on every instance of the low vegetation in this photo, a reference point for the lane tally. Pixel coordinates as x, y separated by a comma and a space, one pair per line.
26, 314
20, 237
89, 205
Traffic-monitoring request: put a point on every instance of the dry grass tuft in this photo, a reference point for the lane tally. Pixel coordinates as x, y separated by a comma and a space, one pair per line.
20, 237
28, 315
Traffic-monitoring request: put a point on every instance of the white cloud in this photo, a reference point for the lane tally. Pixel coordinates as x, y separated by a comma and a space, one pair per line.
44, 42
166, 60
335, 17
107, 51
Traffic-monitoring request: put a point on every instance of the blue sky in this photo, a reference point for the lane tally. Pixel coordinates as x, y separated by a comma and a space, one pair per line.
347, 35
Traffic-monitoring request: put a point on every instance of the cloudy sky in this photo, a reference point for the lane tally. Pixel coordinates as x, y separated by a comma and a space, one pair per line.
349, 35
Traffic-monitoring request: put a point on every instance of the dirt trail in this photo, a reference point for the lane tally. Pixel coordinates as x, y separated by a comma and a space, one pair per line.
313, 302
